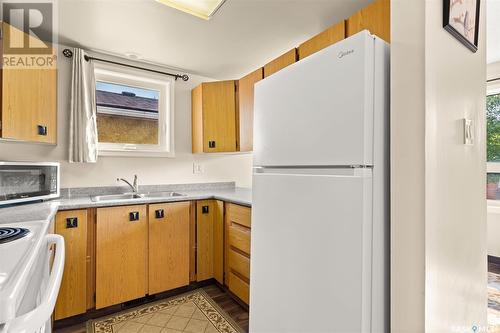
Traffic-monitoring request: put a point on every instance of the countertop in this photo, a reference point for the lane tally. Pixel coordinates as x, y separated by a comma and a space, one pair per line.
237, 195
46, 211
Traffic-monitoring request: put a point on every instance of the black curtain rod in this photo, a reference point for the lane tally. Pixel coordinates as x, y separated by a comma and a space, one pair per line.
492, 80
69, 54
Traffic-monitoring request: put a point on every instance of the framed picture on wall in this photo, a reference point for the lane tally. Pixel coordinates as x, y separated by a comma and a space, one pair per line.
461, 19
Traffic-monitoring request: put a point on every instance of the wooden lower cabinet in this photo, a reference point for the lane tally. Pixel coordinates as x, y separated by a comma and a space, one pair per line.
168, 246
237, 250
72, 299
209, 237
121, 254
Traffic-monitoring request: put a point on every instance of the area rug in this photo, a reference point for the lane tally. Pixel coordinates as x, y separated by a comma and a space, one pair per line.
192, 312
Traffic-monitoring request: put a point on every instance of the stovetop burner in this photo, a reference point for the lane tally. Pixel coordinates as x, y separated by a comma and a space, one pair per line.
10, 234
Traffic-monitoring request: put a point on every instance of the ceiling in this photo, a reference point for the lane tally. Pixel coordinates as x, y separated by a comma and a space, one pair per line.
242, 36
493, 30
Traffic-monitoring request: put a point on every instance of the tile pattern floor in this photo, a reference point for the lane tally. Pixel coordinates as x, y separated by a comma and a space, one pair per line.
221, 298
193, 312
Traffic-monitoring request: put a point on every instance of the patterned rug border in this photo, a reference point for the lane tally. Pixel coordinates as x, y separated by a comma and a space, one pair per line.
91, 327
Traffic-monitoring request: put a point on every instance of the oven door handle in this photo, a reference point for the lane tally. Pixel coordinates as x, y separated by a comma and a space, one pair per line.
38, 317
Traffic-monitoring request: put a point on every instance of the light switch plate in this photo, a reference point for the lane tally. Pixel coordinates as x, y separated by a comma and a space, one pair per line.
468, 132
198, 168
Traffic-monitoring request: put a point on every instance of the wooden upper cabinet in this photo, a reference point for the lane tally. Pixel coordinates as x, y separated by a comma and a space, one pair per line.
245, 109
121, 254
281, 62
328, 37
29, 95
376, 18
214, 117
72, 298
209, 231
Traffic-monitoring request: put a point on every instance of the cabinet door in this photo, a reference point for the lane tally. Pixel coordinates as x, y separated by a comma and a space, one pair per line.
281, 62
376, 18
245, 108
72, 298
209, 247
219, 116
328, 37
121, 254
168, 246
29, 102
29, 93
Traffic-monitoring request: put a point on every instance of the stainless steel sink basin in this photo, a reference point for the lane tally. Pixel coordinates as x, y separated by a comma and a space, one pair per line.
109, 197
162, 194
129, 196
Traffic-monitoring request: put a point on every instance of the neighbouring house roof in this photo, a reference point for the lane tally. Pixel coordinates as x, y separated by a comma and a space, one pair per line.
126, 101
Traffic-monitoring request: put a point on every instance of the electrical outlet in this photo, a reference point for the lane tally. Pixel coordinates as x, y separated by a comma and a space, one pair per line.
198, 168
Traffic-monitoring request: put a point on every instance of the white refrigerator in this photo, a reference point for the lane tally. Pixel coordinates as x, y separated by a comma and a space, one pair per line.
320, 207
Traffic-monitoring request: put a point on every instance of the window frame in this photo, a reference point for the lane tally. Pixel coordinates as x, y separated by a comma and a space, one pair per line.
493, 88
116, 74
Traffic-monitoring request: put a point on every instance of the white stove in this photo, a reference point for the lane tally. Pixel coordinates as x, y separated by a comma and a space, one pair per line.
28, 291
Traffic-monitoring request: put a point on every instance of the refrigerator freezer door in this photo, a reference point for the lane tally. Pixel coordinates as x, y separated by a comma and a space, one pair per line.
311, 252
318, 111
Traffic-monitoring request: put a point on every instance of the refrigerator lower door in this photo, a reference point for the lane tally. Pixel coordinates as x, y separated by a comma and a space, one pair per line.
311, 251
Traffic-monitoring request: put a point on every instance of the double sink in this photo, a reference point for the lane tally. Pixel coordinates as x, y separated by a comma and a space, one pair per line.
129, 196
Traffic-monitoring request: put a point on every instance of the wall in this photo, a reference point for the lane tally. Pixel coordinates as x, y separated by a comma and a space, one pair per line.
445, 180
228, 167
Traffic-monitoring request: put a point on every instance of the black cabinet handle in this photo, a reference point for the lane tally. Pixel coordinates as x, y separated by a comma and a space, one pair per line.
211, 144
159, 213
72, 222
204, 209
133, 216
42, 130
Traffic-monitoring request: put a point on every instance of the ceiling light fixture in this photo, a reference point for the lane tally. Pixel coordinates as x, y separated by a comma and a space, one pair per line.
204, 9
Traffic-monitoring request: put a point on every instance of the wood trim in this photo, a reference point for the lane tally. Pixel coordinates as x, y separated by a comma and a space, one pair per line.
324, 39
280, 62
219, 241
197, 119
91, 230
192, 241
375, 17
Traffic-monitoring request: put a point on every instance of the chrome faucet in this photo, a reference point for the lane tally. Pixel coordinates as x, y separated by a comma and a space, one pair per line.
134, 187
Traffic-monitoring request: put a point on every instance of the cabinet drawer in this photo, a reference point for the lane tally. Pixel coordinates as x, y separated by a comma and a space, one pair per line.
239, 238
239, 287
239, 263
239, 214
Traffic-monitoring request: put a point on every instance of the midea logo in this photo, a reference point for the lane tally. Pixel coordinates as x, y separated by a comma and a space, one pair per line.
344, 53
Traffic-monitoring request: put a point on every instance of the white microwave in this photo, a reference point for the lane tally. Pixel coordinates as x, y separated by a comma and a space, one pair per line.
28, 181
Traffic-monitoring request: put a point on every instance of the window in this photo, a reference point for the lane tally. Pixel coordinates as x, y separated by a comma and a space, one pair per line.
493, 141
134, 112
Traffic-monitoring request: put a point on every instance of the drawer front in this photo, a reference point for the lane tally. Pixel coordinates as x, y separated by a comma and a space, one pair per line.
239, 214
239, 238
239, 263
239, 287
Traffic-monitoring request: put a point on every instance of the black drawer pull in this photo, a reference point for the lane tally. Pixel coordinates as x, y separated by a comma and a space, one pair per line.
211, 144
42, 130
72, 222
133, 216
204, 209
159, 213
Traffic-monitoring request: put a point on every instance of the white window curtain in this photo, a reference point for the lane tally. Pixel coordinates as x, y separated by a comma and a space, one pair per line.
83, 125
